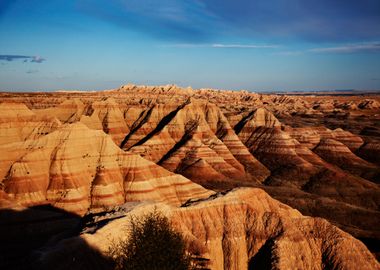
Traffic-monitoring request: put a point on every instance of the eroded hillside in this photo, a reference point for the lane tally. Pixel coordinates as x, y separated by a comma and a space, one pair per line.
89, 151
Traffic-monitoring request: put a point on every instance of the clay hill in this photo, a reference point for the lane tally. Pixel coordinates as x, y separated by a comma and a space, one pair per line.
244, 228
120, 152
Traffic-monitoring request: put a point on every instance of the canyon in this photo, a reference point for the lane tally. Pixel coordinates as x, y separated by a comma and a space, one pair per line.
275, 181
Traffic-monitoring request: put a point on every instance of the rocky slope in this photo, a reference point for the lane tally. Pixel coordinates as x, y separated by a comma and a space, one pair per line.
243, 229
75, 168
18, 123
89, 151
195, 139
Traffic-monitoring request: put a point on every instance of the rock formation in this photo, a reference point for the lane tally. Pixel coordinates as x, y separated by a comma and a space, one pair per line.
243, 229
337, 153
89, 151
18, 123
75, 168
196, 140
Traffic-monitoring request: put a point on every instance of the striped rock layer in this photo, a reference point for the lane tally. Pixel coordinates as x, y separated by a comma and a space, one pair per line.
193, 138
19, 123
105, 114
339, 154
219, 139
243, 229
75, 168
196, 140
294, 165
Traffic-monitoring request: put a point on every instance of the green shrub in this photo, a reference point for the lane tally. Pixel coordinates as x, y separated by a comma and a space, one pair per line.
152, 245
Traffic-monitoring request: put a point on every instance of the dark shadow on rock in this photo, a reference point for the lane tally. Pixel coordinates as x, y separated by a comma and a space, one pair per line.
263, 258
373, 245
34, 239
73, 254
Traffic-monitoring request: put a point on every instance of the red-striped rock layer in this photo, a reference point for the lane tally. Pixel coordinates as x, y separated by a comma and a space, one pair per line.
247, 229
194, 139
339, 154
294, 165
104, 115
75, 168
18, 123
311, 136
306, 136
350, 140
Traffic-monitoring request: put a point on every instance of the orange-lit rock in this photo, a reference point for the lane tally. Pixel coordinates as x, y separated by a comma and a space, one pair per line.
75, 168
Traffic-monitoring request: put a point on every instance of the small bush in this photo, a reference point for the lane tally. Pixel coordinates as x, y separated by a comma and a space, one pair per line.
153, 244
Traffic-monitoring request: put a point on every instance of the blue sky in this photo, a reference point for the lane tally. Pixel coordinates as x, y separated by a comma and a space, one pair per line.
258, 45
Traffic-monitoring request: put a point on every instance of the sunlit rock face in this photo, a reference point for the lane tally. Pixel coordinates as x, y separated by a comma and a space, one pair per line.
75, 168
243, 229
90, 151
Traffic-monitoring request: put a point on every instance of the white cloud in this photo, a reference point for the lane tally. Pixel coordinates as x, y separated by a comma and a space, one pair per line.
350, 48
247, 46
219, 45
290, 53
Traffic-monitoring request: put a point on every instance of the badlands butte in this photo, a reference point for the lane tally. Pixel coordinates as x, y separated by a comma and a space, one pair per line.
252, 181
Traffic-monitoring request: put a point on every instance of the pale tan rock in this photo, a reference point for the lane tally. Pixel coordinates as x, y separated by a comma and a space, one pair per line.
69, 111
369, 104
245, 227
18, 123
108, 116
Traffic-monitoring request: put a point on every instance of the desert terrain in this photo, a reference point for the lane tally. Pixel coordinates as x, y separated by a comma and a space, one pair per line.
257, 181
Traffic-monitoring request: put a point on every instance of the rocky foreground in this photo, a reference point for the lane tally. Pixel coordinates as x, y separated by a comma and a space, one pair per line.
69, 155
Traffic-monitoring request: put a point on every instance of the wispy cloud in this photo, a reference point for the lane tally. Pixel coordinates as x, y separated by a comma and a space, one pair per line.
25, 58
244, 46
364, 47
166, 19
31, 71
290, 53
186, 45
227, 46
202, 20
351, 48
37, 59
9, 58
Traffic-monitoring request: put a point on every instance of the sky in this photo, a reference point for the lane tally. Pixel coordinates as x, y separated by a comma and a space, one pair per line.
257, 45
